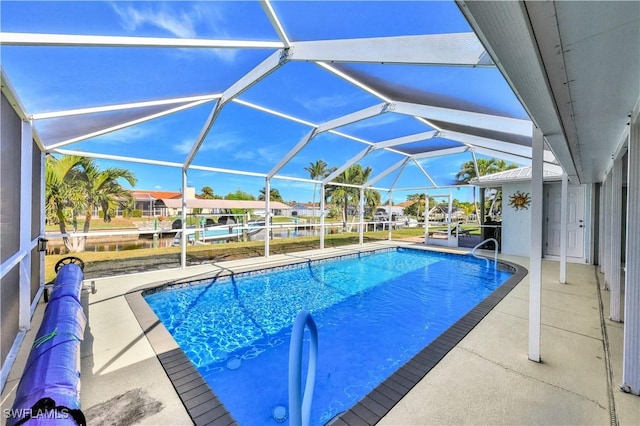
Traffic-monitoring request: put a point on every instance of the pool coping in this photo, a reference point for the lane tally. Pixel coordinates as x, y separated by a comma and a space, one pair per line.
204, 407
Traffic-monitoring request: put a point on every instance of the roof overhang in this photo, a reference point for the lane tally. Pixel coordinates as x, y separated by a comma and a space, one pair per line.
551, 173
574, 66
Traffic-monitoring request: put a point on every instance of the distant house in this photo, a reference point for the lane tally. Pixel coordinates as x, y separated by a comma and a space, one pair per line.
397, 210
307, 209
164, 203
406, 204
150, 202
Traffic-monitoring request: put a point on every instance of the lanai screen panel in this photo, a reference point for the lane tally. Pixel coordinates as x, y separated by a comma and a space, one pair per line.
79, 77
325, 63
430, 146
167, 138
479, 89
188, 19
339, 20
332, 148
308, 92
69, 128
248, 139
386, 126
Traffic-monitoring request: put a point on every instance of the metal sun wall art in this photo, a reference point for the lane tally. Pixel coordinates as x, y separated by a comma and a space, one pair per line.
520, 200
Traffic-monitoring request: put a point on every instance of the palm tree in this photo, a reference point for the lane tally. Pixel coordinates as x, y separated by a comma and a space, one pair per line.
103, 189
274, 195
207, 193
418, 204
75, 185
345, 196
317, 170
485, 167
62, 196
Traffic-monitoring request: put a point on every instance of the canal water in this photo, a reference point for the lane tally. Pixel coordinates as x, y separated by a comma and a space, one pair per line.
167, 241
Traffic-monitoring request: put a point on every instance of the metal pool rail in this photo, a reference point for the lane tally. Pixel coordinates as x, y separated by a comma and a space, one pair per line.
495, 250
300, 411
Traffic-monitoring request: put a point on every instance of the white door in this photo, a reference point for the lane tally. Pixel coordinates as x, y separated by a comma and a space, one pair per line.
575, 222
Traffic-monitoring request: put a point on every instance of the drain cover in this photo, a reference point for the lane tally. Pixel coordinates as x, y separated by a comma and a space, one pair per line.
280, 414
233, 363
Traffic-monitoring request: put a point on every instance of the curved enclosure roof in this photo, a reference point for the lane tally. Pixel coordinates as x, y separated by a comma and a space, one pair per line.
263, 89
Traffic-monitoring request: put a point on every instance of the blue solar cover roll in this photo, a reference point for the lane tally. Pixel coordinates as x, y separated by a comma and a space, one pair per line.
68, 282
53, 367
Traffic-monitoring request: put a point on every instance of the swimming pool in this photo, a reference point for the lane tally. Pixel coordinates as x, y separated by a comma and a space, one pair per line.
374, 312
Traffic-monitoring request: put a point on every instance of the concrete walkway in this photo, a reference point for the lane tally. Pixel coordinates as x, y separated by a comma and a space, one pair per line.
486, 379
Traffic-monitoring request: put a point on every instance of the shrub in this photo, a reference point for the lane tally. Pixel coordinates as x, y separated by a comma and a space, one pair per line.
131, 213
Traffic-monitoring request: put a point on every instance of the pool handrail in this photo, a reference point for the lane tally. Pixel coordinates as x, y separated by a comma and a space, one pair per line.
495, 250
300, 403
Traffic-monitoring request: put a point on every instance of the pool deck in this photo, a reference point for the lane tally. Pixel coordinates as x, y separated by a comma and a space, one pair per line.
485, 379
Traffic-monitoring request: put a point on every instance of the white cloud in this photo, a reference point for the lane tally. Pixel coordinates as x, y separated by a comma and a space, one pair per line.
268, 155
325, 102
378, 120
183, 147
244, 155
178, 19
127, 135
225, 141
132, 18
157, 187
259, 156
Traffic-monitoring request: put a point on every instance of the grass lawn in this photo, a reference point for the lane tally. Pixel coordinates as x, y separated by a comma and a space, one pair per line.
99, 224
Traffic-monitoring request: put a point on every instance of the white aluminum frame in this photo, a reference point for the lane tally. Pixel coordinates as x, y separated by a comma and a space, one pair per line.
535, 255
615, 241
33, 39
453, 49
631, 345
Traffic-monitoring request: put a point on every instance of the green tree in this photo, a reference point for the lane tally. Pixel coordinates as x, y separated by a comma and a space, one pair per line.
316, 170
347, 197
467, 208
62, 197
239, 195
485, 167
417, 207
274, 195
75, 185
207, 193
102, 189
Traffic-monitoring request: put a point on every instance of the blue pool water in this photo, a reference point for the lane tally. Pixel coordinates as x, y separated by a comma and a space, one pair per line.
374, 312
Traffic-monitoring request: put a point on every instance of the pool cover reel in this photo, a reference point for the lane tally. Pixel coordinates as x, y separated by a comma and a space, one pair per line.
49, 389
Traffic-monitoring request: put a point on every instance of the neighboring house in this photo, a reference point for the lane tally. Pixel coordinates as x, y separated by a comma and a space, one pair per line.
516, 218
218, 206
398, 210
442, 214
165, 203
149, 202
308, 209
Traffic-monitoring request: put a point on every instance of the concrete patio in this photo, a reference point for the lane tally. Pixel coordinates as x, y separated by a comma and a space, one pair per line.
486, 379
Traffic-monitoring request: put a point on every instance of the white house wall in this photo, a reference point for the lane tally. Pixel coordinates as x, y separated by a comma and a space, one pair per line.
516, 240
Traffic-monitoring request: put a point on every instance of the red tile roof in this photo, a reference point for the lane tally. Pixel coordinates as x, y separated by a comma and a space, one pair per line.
140, 194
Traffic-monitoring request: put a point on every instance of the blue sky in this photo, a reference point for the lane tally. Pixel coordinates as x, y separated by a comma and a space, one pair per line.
58, 78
